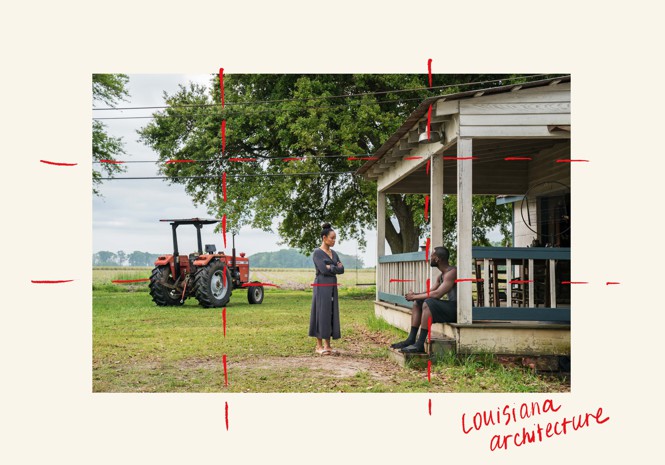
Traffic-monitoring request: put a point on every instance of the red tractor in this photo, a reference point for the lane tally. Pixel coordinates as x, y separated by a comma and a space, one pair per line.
209, 276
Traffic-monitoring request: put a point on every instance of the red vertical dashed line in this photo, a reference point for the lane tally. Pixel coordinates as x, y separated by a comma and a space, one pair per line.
428, 165
429, 407
226, 374
221, 84
226, 414
429, 371
427, 249
224, 316
428, 288
224, 228
427, 208
429, 329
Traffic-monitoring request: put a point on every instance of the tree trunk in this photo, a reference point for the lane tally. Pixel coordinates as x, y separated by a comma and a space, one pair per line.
406, 240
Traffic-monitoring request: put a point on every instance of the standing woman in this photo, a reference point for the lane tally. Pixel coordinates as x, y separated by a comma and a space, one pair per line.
324, 318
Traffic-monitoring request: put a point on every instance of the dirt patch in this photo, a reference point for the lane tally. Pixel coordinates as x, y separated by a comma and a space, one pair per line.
335, 366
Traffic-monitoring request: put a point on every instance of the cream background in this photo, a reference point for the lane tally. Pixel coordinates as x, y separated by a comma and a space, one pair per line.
48, 414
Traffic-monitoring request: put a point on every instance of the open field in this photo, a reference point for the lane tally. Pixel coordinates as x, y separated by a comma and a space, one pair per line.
139, 347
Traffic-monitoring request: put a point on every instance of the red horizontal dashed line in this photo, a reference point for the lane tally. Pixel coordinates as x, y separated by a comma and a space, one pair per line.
242, 159
402, 280
58, 163
324, 285
59, 281
258, 284
517, 158
122, 281
412, 158
566, 160
466, 280
112, 162
293, 159
611, 282
574, 282
168, 162
520, 281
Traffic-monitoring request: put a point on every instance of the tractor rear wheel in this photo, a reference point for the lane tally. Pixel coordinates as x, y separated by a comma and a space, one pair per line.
255, 294
210, 287
162, 295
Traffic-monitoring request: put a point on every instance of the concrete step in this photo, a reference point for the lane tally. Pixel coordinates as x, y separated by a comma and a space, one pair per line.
437, 347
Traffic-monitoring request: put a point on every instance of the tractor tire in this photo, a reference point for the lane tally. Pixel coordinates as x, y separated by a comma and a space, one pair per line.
255, 294
162, 295
209, 287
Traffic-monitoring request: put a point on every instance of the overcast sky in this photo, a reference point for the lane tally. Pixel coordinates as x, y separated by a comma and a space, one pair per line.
127, 217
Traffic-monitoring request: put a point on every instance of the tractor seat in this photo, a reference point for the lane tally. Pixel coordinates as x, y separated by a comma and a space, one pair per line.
210, 248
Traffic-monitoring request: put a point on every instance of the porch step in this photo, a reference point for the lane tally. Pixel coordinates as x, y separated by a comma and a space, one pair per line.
435, 348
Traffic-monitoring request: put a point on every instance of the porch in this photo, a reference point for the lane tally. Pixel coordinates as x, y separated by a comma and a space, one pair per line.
508, 142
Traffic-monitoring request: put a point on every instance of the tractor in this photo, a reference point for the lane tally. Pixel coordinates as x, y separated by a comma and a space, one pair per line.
210, 276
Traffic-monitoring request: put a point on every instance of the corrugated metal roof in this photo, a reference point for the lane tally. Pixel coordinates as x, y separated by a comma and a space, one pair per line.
424, 106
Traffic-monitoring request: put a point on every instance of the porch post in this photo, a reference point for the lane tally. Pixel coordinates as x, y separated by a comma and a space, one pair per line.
464, 227
436, 208
380, 237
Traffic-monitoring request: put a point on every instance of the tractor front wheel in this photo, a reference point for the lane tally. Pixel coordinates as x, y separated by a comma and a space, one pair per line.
255, 294
161, 294
210, 286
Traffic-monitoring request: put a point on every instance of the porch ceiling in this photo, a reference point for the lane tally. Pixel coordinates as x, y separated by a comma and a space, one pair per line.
492, 174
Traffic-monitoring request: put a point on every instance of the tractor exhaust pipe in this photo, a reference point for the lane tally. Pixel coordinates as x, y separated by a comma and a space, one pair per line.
233, 252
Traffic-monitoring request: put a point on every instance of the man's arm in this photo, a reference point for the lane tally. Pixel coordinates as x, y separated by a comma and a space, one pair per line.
437, 292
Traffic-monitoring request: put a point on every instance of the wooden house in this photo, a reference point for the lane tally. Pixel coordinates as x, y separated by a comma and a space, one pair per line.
512, 142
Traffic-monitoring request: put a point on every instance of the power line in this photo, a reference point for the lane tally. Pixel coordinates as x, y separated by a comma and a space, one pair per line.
361, 94
360, 157
228, 175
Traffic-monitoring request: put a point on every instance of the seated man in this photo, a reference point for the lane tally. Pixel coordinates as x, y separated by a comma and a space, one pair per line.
441, 311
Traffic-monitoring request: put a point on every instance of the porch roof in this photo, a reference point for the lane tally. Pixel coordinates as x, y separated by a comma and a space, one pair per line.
392, 150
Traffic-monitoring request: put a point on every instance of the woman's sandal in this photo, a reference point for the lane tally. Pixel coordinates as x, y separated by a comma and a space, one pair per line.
323, 351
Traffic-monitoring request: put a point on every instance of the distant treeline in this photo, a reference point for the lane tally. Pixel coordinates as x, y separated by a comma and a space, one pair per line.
289, 258
120, 258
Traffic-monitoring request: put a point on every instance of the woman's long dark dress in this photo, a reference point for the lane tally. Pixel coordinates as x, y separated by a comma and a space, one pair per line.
324, 317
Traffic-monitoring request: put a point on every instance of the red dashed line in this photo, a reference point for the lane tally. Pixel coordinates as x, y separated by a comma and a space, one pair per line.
58, 163
569, 161
224, 320
221, 84
429, 371
323, 284
430, 407
293, 159
611, 282
180, 161
122, 281
412, 158
427, 249
520, 281
60, 281
426, 208
429, 162
429, 329
517, 158
427, 283
226, 414
466, 280
224, 231
258, 284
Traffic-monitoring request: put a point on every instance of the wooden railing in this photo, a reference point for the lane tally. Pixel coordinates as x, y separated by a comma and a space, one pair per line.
546, 298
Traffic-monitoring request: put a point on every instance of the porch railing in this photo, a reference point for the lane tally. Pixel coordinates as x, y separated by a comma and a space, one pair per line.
531, 281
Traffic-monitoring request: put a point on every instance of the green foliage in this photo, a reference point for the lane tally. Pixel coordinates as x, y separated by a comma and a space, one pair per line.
108, 89
295, 116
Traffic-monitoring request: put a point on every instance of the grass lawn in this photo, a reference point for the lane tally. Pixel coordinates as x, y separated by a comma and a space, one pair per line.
139, 347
